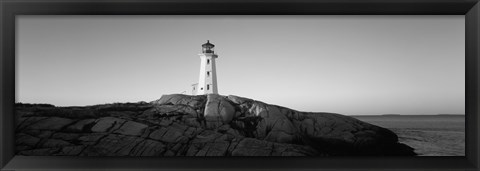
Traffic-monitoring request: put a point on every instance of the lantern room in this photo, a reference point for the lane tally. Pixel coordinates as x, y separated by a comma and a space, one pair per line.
207, 47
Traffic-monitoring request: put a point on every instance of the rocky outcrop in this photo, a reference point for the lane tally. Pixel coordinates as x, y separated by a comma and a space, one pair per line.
204, 125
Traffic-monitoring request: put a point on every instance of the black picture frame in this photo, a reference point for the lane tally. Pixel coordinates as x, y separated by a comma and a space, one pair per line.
11, 8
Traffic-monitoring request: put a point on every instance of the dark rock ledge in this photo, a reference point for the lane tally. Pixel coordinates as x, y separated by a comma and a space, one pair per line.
205, 125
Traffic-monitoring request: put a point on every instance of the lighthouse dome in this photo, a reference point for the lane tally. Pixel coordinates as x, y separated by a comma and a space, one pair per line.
208, 44
208, 47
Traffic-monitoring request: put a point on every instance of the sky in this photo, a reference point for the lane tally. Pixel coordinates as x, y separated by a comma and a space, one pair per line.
353, 65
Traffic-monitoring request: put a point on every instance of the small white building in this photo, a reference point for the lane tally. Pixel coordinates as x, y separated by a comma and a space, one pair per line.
207, 80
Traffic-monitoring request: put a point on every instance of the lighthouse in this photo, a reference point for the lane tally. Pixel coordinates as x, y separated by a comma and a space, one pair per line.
207, 80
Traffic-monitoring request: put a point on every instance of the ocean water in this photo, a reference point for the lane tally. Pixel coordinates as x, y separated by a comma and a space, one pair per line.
429, 135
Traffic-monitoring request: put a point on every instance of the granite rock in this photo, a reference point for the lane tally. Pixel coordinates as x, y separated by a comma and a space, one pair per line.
204, 125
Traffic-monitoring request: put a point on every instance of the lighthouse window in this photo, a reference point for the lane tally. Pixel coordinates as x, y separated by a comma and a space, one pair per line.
208, 73
208, 87
201, 88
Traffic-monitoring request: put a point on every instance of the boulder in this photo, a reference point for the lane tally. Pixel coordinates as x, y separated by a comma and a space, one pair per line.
71, 150
158, 134
80, 125
89, 139
27, 140
214, 149
169, 134
181, 99
148, 148
65, 136
169, 110
106, 124
172, 135
25, 122
238, 100
49, 143
218, 110
113, 145
253, 147
131, 128
51, 123
206, 136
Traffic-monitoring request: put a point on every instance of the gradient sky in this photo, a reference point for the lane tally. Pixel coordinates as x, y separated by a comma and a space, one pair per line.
343, 64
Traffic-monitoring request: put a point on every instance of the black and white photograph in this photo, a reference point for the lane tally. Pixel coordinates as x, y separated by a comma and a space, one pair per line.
240, 85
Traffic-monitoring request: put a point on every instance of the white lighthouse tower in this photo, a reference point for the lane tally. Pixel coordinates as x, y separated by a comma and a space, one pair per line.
207, 80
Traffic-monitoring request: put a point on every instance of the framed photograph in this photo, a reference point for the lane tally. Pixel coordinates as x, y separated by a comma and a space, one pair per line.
303, 85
